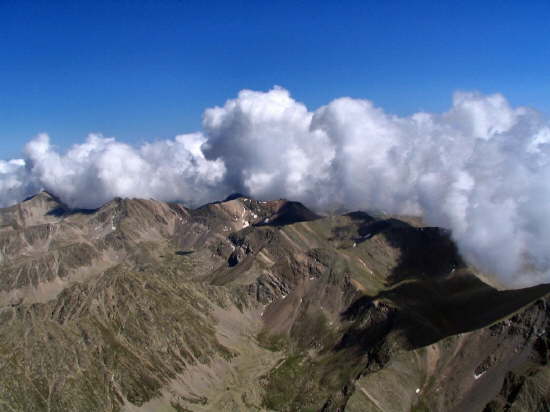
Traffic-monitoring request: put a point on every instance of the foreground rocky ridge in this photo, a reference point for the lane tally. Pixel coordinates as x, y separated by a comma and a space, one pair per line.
250, 305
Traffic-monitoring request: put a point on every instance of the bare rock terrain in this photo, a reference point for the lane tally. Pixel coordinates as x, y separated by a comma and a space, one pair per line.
247, 305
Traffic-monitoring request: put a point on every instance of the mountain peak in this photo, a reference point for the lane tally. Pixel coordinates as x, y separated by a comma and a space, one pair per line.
41, 208
234, 196
42, 195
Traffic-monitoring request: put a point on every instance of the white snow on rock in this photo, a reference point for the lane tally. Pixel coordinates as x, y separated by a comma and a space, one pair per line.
476, 376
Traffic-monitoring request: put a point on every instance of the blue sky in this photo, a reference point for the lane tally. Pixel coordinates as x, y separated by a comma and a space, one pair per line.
146, 70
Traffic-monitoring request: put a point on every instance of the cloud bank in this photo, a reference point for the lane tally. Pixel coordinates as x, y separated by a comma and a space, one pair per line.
481, 169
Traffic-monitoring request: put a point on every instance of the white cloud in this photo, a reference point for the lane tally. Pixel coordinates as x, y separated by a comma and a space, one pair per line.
480, 169
15, 183
94, 172
266, 143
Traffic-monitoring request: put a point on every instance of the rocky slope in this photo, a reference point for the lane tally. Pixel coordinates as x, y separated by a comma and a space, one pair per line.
252, 305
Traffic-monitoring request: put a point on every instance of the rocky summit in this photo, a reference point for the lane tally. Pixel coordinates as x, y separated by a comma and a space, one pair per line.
247, 305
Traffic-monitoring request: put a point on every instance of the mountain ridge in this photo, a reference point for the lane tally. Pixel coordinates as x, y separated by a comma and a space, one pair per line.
269, 305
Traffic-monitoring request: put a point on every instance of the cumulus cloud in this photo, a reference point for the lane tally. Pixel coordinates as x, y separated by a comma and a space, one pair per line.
268, 147
480, 169
93, 172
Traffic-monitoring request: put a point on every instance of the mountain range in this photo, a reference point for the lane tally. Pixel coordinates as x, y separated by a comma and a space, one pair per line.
248, 305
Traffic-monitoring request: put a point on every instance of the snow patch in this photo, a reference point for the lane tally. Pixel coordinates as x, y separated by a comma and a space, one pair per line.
476, 376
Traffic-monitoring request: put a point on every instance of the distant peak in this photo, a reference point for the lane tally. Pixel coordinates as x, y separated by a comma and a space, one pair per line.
289, 212
48, 195
234, 196
43, 195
